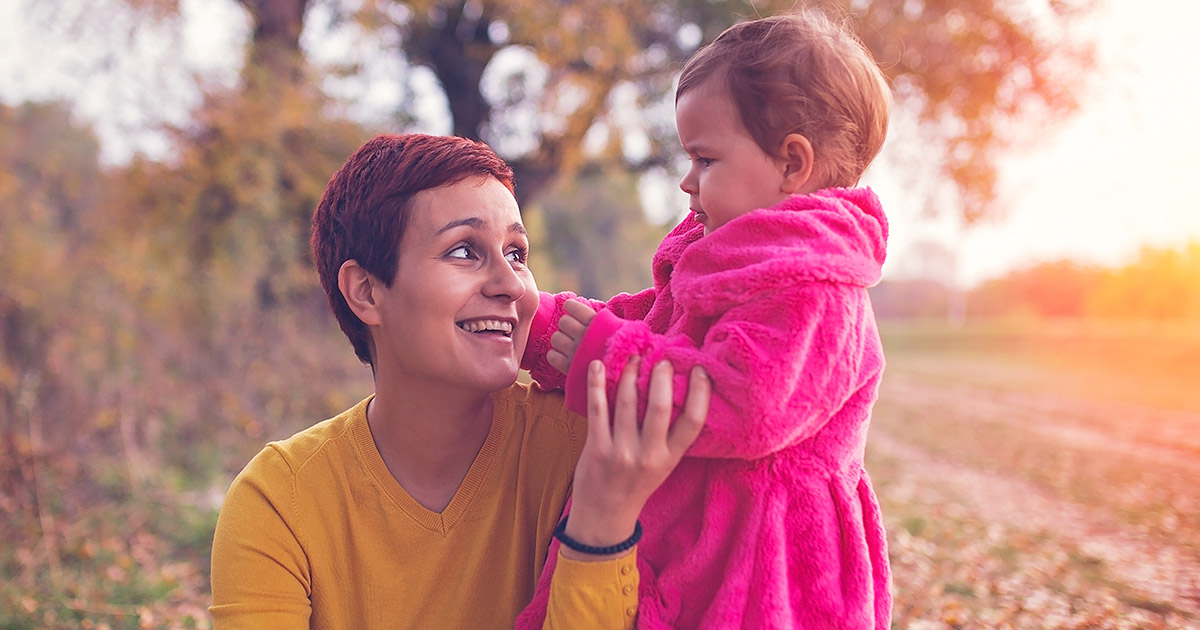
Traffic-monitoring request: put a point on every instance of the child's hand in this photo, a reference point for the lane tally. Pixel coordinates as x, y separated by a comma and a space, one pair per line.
622, 465
565, 340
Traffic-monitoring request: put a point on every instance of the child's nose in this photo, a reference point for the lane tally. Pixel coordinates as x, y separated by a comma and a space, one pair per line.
688, 183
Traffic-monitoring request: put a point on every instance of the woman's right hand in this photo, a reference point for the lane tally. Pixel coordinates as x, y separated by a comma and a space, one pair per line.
622, 465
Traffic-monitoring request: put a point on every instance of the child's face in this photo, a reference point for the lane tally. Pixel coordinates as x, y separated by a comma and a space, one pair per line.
730, 174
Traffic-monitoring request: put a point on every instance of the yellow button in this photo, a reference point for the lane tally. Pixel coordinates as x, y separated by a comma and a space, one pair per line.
628, 590
631, 611
625, 569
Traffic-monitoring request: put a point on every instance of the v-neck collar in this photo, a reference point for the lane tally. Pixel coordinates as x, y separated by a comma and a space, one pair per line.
467, 490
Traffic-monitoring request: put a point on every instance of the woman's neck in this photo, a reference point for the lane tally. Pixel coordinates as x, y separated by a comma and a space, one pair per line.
428, 438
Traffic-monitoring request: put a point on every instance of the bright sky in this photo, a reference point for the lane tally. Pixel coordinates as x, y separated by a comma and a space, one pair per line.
1114, 178
1121, 174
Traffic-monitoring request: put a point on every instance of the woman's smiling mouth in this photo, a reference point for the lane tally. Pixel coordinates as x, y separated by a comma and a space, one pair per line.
487, 326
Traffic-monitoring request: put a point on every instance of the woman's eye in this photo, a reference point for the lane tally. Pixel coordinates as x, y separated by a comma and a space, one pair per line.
462, 251
517, 255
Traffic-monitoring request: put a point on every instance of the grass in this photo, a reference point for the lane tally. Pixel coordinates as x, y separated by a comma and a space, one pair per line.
1032, 476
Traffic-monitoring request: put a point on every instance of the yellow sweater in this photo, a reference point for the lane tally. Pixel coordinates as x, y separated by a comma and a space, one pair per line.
316, 533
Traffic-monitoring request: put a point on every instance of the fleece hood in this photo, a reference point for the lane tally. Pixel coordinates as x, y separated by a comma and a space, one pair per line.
836, 235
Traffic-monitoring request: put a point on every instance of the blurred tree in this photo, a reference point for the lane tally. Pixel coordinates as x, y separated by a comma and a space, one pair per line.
155, 320
970, 69
203, 279
227, 276
1160, 284
603, 70
925, 258
592, 237
1052, 289
912, 298
51, 186
978, 74
275, 41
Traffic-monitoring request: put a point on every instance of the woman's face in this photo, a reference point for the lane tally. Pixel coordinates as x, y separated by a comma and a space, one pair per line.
460, 308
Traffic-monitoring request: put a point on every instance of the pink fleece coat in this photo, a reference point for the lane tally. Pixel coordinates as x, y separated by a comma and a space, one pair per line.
770, 520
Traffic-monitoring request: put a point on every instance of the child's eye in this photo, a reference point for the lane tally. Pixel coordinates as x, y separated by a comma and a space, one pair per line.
703, 161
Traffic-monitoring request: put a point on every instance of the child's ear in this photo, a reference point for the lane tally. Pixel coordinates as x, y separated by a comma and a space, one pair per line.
358, 288
796, 156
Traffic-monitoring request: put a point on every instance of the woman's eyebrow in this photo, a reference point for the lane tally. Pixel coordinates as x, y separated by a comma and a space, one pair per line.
477, 223
473, 222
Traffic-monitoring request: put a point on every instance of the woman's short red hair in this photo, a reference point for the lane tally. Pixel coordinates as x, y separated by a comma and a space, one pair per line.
363, 213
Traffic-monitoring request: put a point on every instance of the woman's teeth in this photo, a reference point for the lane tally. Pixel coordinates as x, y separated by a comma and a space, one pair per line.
486, 325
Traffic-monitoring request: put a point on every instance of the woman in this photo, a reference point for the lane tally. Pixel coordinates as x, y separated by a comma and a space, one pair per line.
432, 503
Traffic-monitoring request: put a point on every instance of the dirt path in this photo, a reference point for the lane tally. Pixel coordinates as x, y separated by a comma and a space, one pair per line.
1160, 573
1154, 569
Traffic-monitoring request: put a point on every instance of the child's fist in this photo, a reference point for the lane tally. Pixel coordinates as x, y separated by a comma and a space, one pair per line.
571, 327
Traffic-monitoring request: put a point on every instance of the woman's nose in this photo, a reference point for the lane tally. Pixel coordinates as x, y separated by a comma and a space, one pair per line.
503, 281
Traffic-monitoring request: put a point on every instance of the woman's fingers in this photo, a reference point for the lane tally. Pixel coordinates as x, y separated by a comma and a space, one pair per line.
599, 428
687, 426
624, 427
621, 466
640, 447
659, 403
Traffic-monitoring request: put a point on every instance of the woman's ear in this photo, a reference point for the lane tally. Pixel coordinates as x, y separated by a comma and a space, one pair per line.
358, 288
796, 156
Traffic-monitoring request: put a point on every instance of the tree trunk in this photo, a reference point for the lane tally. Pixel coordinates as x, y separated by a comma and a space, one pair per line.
457, 49
275, 41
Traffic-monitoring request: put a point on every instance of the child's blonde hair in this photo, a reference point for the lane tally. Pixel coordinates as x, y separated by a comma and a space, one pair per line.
801, 73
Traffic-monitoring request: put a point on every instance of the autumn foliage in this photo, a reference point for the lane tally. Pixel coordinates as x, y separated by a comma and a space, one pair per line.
1160, 284
160, 320
153, 334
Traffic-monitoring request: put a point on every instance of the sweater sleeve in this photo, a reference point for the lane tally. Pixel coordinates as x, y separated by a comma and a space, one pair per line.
260, 575
573, 594
599, 595
545, 323
782, 363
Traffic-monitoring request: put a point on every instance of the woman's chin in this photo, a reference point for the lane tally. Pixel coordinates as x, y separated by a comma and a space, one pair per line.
500, 378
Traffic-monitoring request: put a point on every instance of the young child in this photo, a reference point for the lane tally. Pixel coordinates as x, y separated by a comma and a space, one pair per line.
770, 521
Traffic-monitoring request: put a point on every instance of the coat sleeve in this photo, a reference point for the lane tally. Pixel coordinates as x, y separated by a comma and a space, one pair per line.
260, 575
545, 323
782, 363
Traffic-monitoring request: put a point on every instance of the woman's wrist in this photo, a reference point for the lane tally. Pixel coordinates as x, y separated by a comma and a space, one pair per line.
593, 531
614, 549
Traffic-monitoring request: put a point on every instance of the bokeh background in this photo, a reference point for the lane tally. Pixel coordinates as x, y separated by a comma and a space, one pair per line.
1035, 445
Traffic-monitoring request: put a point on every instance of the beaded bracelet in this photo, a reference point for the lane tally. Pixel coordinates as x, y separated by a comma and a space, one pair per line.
560, 533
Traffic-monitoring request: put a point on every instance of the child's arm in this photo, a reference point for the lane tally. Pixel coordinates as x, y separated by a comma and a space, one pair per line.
634, 306
546, 323
782, 363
